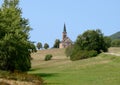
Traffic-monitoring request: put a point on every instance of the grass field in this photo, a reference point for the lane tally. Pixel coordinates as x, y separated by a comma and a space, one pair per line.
101, 70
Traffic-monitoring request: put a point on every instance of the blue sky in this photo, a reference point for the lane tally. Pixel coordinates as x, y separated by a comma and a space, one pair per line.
47, 17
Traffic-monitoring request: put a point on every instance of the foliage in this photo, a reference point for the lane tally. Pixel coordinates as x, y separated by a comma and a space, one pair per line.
115, 35
108, 41
89, 44
48, 57
115, 39
56, 44
46, 46
83, 54
32, 48
17, 76
115, 43
91, 40
39, 45
14, 38
69, 50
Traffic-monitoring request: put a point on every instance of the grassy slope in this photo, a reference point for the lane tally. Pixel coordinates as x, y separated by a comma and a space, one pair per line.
101, 70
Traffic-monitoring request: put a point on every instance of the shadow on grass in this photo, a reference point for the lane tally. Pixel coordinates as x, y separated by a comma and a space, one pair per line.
35, 69
53, 83
48, 75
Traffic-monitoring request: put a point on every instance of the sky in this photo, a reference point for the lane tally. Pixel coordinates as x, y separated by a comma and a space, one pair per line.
47, 17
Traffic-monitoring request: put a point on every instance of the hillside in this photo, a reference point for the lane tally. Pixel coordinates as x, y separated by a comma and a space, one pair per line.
101, 70
115, 36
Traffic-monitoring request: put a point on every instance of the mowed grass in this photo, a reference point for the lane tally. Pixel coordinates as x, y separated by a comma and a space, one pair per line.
101, 70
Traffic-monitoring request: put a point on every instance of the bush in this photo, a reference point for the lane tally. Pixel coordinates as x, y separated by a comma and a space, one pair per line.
48, 57
83, 54
69, 50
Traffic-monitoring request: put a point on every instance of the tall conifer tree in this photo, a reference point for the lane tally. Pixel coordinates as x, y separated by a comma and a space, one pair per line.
14, 38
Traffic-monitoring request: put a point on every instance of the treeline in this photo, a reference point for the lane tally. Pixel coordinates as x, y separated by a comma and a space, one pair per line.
40, 46
115, 39
46, 45
115, 43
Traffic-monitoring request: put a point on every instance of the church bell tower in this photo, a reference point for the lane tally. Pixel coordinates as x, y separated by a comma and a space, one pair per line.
66, 41
64, 32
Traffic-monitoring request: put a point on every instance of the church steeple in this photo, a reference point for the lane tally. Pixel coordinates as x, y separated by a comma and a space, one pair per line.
65, 39
64, 32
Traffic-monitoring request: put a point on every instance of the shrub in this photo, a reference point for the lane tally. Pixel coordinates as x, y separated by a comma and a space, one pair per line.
48, 57
69, 50
83, 54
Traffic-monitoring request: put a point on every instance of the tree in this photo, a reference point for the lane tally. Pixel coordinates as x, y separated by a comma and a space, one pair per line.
91, 40
39, 45
107, 41
69, 50
89, 44
32, 48
46, 46
14, 38
56, 44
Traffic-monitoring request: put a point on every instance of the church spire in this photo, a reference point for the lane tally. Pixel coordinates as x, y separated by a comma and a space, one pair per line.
64, 30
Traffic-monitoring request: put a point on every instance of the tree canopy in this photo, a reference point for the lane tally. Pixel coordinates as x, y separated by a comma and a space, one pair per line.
89, 44
39, 45
14, 38
46, 46
91, 40
56, 44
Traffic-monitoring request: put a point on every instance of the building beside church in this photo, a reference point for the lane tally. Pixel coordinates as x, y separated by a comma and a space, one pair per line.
66, 41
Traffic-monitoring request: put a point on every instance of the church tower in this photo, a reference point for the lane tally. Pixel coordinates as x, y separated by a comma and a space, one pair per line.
65, 39
64, 32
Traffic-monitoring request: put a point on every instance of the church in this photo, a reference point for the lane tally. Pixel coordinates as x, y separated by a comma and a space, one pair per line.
66, 41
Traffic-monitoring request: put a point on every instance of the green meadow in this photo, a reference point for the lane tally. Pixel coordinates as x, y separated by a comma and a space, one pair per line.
101, 70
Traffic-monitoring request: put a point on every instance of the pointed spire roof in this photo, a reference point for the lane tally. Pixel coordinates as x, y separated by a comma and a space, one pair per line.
64, 30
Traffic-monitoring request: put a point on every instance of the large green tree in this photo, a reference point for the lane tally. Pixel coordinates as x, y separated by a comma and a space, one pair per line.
14, 38
56, 44
92, 40
46, 46
39, 45
89, 44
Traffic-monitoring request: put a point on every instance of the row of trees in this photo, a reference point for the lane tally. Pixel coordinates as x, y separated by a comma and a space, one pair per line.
15, 47
111, 43
39, 46
46, 46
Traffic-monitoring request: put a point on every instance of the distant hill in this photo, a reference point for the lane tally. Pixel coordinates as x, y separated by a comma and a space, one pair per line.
115, 35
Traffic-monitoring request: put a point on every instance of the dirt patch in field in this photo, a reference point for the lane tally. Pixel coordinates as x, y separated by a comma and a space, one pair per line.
14, 82
114, 50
